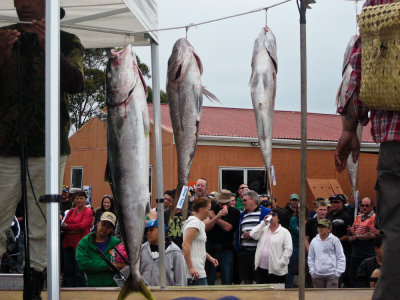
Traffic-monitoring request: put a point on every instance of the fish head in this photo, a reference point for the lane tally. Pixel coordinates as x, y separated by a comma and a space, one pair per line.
121, 75
178, 63
266, 40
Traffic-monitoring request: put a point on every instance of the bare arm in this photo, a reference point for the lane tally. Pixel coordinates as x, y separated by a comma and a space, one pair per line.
190, 235
216, 219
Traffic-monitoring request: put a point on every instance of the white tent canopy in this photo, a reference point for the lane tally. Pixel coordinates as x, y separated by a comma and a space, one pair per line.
102, 23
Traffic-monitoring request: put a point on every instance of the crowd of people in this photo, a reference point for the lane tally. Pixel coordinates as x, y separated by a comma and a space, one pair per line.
228, 238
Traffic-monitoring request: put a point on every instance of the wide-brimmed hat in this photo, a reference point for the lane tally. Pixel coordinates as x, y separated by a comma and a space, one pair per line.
224, 196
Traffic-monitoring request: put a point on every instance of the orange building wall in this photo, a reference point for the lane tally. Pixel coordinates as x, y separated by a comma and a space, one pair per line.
89, 151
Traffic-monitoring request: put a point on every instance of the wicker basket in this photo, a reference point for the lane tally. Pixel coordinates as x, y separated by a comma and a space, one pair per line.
380, 60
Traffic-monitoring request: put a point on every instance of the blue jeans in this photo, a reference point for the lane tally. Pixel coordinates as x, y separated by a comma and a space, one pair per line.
73, 276
199, 281
225, 260
292, 268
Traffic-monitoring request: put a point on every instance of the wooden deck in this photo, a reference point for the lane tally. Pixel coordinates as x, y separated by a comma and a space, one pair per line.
253, 292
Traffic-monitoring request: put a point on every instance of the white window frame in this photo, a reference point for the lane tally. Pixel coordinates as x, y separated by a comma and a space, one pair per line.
244, 169
72, 169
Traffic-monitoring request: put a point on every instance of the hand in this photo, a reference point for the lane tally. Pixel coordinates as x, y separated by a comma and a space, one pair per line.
7, 40
119, 265
64, 225
246, 235
348, 142
214, 261
351, 238
194, 273
39, 27
350, 230
222, 212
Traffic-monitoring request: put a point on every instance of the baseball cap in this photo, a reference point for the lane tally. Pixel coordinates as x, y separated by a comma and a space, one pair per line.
109, 217
151, 223
154, 223
324, 223
294, 196
65, 189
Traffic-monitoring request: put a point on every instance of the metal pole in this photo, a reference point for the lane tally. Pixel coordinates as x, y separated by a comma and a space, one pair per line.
158, 158
53, 144
303, 155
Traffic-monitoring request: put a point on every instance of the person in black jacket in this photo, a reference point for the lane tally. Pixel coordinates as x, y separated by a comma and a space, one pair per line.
370, 264
288, 211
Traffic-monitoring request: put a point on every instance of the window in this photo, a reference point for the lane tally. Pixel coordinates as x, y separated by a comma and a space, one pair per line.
76, 177
232, 178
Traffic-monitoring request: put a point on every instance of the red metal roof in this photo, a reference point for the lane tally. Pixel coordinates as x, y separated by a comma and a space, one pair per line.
240, 122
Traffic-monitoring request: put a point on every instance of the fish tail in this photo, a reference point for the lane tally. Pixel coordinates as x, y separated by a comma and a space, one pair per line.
132, 286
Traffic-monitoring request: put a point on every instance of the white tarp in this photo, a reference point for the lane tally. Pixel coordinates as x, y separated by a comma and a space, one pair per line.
101, 23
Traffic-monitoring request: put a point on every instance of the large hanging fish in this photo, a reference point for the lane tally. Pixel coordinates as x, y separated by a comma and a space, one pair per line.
264, 66
128, 155
352, 168
185, 96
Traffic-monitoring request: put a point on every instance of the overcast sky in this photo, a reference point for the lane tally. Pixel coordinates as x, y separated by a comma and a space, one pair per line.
226, 47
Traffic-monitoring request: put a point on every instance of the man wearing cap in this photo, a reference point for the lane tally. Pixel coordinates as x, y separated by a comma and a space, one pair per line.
97, 271
65, 203
289, 210
173, 260
361, 236
220, 228
31, 37
340, 222
326, 259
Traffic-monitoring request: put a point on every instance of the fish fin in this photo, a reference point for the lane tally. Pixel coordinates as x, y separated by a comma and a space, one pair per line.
130, 286
209, 95
199, 63
181, 109
142, 80
107, 173
198, 98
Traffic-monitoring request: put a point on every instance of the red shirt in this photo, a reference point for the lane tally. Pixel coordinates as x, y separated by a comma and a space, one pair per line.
78, 226
385, 125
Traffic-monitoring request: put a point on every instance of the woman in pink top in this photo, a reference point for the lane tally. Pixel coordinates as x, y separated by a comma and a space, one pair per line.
76, 225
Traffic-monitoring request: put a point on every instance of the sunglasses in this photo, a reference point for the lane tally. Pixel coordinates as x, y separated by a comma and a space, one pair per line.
274, 214
336, 201
243, 187
373, 279
364, 205
294, 199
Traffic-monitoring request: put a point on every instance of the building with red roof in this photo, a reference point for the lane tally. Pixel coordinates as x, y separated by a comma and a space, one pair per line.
228, 153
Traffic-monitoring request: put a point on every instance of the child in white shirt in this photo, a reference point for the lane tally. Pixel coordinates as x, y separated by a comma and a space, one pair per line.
326, 258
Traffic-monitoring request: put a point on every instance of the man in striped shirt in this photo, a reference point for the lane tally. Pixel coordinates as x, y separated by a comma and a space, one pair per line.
252, 215
385, 129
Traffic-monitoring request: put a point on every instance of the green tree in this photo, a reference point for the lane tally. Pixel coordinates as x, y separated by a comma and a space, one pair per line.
83, 105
